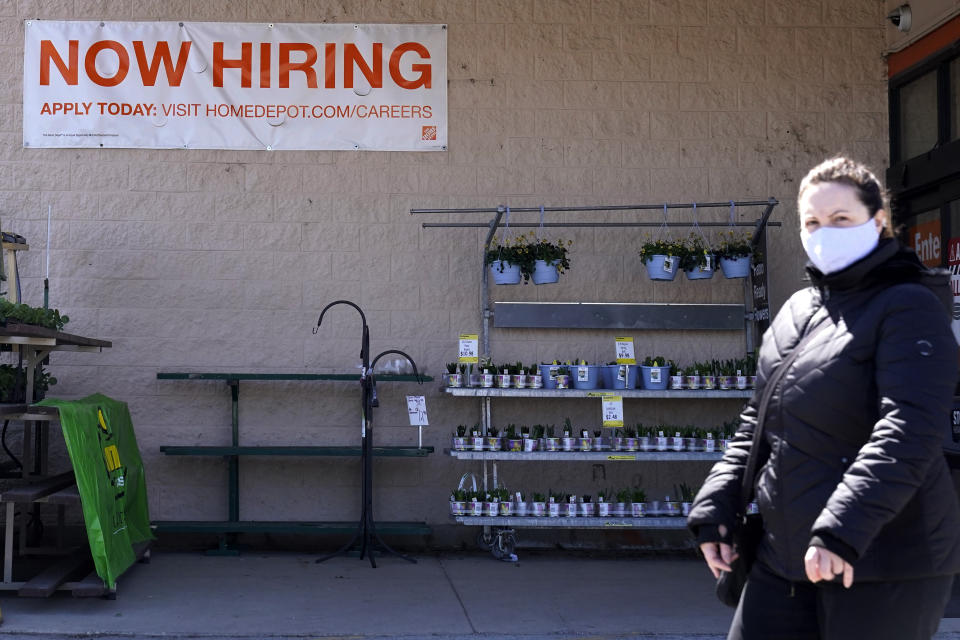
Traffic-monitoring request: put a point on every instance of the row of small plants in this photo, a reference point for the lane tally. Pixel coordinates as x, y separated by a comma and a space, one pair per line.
541, 437
25, 314
697, 257
13, 384
622, 503
655, 373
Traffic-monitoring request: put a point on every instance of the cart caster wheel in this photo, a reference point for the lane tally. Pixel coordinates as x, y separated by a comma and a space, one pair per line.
504, 547
485, 541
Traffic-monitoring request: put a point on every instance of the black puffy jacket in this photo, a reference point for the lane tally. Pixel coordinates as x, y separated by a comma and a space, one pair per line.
854, 430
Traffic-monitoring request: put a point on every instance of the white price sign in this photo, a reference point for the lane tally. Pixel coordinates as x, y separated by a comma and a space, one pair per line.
625, 353
469, 352
612, 411
417, 410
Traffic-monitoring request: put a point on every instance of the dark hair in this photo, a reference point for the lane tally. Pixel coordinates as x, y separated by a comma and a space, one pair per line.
855, 174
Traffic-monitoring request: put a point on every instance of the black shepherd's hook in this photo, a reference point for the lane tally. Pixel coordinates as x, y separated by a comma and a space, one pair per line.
365, 345
373, 400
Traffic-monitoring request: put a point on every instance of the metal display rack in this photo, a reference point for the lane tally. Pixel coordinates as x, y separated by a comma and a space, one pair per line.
498, 532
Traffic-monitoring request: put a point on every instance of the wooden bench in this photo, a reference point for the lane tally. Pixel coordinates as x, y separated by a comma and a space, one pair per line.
233, 452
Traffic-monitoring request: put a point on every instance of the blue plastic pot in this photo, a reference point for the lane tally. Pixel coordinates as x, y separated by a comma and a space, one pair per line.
611, 376
700, 273
585, 376
650, 372
548, 381
504, 272
545, 272
735, 267
657, 267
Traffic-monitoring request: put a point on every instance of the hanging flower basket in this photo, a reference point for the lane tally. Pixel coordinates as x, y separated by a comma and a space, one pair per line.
662, 258
735, 267
697, 258
734, 251
505, 272
545, 272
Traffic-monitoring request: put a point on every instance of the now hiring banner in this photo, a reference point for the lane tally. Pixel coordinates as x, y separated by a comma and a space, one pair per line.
220, 85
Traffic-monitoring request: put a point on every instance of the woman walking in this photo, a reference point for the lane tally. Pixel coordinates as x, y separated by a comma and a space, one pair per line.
861, 523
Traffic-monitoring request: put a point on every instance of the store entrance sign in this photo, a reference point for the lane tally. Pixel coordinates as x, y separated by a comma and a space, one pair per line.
213, 85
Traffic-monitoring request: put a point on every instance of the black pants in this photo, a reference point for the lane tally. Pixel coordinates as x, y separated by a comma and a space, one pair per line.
774, 609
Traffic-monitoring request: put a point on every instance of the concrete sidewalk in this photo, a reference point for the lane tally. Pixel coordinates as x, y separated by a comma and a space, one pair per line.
285, 595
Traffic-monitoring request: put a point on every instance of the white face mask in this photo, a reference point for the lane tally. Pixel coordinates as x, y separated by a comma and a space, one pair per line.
832, 249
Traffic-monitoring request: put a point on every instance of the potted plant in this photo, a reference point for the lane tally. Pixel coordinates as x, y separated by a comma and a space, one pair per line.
534, 379
692, 379
507, 261
519, 373
530, 444
553, 504
491, 506
710, 376
585, 376
519, 505
670, 506
620, 508
645, 439
587, 508
551, 443
629, 442
686, 494
676, 378
460, 438
550, 259
476, 503
603, 503
656, 372
493, 440
586, 442
600, 442
569, 441
513, 442
454, 374
638, 503
458, 502
697, 259
486, 373
568, 506
503, 377
563, 377
539, 505
548, 374
661, 258
662, 444
477, 440
709, 444
504, 502
733, 252
676, 442
619, 376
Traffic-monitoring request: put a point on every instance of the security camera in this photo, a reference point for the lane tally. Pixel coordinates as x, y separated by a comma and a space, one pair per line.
901, 18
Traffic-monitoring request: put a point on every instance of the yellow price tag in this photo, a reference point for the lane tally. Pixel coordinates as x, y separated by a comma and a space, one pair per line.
621, 457
625, 353
469, 352
613, 411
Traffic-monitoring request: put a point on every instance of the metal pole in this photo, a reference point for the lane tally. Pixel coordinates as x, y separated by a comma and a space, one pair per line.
484, 279
615, 207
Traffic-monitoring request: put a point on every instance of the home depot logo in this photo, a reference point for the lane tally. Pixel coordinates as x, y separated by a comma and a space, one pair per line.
429, 133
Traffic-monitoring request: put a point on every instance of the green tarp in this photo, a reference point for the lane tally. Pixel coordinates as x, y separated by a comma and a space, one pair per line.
113, 490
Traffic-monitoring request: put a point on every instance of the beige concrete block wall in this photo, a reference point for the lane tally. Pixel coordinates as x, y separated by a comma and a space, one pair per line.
221, 260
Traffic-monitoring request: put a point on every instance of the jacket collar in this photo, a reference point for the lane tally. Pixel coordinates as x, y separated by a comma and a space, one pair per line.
855, 274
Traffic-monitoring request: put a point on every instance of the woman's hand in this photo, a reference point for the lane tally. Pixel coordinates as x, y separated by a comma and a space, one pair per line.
718, 555
826, 565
